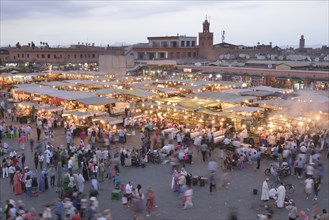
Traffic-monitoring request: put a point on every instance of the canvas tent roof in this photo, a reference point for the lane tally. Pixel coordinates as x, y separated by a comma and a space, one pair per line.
271, 89
244, 109
109, 120
274, 103
48, 91
97, 100
225, 97
49, 108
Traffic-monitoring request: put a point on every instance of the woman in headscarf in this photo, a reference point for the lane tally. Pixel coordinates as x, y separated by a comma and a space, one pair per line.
17, 183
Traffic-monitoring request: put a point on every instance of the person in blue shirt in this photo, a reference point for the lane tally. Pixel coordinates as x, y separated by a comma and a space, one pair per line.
59, 209
258, 155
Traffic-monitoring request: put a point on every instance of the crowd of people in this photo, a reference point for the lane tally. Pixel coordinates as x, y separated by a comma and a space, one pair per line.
67, 169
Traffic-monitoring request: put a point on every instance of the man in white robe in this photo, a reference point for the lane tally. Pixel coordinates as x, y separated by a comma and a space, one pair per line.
80, 181
281, 196
265, 191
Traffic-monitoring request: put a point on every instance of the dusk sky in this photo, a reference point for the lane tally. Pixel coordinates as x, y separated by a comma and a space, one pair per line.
104, 22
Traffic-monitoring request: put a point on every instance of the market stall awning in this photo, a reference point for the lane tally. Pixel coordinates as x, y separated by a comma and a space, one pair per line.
257, 93
77, 114
49, 91
271, 89
108, 91
49, 108
218, 114
188, 103
274, 103
158, 105
97, 100
224, 97
109, 120
26, 104
244, 109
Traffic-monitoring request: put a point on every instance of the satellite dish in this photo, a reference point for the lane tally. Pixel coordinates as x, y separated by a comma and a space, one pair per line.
317, 59
269, 66
247, 57
280, 57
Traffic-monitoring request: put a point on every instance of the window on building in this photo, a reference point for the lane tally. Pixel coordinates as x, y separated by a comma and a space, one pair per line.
194, 54
164, 43
174, 44
93, 55
42, 56
187, 43
37, 55
178, 55
18, 55
28, 55
75, 56
189, 54
182, 43
55, 56
162, 55
48, 56
193, 43
81, 55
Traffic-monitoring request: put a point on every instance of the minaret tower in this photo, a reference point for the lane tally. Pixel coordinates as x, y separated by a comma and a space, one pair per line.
206, 40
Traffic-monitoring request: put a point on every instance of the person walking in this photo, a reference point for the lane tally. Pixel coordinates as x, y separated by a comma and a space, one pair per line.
258, 156
212, 181
52, 173
150, 201
316, 187
188, 194
204, 149
265, 191
281, 196
41, 158
36, 160
31, 144
11, 171
38, 133
293, 213
4, 168
308, 186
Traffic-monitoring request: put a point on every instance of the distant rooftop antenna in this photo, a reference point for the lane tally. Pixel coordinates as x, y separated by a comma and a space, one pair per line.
223, 36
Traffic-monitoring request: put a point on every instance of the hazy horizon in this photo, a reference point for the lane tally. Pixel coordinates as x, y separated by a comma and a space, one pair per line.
68, 22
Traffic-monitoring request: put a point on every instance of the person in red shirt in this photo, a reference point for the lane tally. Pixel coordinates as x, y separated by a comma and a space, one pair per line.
76, 215
14, 161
